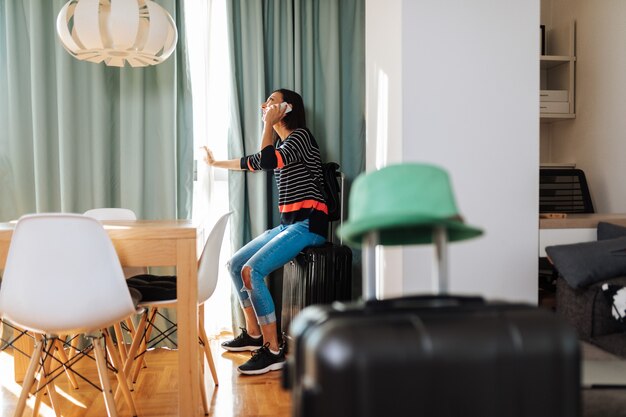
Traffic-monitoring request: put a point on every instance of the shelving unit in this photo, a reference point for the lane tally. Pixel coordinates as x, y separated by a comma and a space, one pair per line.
558, 72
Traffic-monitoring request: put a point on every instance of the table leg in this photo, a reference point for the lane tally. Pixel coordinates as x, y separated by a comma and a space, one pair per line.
187, 315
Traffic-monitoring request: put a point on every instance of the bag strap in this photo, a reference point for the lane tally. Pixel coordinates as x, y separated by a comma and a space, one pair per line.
319, 186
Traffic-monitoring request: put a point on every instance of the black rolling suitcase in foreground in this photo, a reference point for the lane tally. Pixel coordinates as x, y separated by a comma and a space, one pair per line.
432, 356
318, 275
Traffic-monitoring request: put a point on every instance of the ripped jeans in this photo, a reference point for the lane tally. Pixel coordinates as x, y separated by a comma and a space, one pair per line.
264, 254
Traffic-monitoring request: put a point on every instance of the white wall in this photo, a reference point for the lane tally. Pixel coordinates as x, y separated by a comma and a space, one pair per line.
595, 139
469, 102
384, 111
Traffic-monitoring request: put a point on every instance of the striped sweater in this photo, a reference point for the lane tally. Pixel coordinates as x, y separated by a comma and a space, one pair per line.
299, 195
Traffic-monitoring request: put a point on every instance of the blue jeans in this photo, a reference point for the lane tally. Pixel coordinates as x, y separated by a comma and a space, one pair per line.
264, 254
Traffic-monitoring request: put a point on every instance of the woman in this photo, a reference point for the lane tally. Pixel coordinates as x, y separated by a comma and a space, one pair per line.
288, 148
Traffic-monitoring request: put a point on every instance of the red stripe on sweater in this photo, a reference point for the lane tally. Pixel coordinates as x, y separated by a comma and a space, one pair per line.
305, 204
279, 160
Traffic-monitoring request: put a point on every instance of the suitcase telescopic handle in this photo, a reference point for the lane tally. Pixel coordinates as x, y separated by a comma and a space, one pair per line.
440, 266
423, 301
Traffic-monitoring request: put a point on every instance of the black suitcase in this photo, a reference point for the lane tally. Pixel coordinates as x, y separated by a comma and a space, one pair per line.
432, 356
318, 275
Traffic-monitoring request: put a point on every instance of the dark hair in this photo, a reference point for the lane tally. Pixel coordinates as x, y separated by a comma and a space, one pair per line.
295, 118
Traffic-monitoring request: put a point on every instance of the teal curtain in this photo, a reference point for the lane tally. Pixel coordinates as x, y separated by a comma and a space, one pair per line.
76, 135
314, 47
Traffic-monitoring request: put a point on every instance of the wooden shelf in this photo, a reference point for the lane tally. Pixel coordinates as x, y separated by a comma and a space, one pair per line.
555, 117
558, 72
551, 61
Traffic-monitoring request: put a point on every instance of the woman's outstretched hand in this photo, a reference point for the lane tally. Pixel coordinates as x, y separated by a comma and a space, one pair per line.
210, 160
208, 156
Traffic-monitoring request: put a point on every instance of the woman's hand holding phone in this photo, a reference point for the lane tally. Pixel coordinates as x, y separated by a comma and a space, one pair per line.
285, 107
276, 112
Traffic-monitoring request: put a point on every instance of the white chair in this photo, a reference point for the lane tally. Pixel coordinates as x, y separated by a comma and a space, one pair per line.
208, 267
63, 276
111, 213
117, 213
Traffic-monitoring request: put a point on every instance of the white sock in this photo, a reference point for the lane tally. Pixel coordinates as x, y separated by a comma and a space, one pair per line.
275, 352
255, 337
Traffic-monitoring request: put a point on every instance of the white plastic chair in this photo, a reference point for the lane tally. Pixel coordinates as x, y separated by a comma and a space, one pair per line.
63, 276
117, 213
208, 267
111, 213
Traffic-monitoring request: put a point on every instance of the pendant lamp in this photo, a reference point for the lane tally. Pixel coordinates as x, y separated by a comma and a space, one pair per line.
117, 32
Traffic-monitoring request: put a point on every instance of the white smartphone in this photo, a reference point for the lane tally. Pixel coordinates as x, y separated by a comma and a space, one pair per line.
284, 105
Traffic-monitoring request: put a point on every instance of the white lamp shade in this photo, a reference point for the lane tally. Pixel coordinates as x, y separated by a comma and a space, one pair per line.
117, 32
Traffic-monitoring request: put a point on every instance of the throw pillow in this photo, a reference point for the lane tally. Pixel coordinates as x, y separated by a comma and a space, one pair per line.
582, 264
610, 231
153, 287
616, 297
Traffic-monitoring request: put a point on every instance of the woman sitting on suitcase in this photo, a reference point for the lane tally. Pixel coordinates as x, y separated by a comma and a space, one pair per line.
288, 148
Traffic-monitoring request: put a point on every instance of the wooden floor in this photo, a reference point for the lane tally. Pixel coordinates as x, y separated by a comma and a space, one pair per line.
156, 390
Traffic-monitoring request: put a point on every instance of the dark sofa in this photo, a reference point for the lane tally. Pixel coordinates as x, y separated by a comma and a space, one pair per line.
583, 269
589, 311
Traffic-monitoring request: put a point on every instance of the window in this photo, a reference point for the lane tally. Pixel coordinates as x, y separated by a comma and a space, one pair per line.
206, 31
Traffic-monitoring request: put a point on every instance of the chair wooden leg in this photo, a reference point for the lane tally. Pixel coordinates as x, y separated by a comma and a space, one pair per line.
205, 405
121, 344
35, 387
29, 378
140, 364
39, 396
55, 400
131, 327
144, 345
39, 391
132, 330
74, 346
37, 404
63, 357
104, 378
134, 347
207, 352
120, 375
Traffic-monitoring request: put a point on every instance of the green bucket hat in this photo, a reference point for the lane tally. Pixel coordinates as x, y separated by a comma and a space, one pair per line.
403, 203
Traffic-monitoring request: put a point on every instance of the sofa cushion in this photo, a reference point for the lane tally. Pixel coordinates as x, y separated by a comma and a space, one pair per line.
583, 264
610, 231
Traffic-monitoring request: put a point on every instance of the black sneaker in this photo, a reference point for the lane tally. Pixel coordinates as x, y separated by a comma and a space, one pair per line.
243, 342
263, 361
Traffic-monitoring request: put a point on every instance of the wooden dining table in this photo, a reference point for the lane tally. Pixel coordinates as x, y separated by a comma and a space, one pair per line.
155, 243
